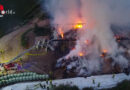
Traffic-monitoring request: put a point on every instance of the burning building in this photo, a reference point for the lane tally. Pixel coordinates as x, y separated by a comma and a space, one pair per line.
96, 50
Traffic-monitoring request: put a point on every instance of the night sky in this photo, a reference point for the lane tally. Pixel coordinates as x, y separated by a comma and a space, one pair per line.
20, 7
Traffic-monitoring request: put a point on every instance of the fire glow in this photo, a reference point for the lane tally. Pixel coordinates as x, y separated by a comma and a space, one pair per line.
88, 24
86, 42
78, 26
81, 54
104, 51
61, 33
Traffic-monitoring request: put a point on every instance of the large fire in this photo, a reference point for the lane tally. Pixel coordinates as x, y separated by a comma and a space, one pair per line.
88, 29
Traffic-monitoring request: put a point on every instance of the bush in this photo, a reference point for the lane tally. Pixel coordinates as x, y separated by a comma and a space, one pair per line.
88, 88
42, 31
66, 87
24, 39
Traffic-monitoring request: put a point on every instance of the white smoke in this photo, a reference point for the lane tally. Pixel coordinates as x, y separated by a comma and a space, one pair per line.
98, 15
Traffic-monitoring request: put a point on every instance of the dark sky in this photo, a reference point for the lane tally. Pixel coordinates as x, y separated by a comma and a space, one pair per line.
20, 7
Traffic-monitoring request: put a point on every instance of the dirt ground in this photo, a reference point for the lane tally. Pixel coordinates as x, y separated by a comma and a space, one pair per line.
40, 61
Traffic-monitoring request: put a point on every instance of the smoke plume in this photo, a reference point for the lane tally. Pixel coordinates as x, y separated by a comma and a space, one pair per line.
98, 16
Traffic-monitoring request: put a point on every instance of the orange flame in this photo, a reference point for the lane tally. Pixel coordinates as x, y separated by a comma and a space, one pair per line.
104, 51
81, 54
78, 26
61, 33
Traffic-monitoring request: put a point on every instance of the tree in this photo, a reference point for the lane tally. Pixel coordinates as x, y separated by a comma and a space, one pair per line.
42, 31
